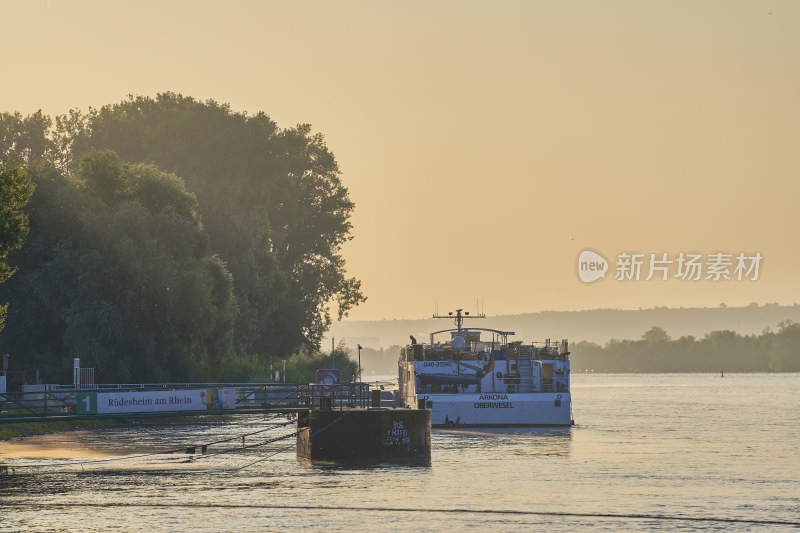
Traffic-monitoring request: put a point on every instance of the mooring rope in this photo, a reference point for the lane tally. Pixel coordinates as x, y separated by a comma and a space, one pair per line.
317, 432
59, 468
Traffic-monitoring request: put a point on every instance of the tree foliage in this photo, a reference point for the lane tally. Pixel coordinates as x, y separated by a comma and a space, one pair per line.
271, 200
302, 367
15, 192
117, 271
120, 271
25, 138
716, 351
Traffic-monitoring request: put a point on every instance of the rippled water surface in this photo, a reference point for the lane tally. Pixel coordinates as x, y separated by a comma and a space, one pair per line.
666, 446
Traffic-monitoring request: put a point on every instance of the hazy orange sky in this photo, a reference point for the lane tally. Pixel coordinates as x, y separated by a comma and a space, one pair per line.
485, 144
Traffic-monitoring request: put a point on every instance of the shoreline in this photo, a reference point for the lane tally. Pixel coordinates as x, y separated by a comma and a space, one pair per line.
12, 430
67, 444
62, 440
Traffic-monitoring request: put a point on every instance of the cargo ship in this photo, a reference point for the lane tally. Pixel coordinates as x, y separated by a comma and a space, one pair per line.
478, 377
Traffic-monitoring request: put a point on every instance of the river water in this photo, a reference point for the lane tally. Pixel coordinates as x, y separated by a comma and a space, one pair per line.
646, 452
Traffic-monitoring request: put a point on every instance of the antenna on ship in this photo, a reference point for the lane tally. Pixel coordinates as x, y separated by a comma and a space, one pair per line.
459, 318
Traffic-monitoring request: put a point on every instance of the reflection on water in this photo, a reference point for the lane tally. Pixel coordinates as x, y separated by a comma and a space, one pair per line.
679, 446
523, 442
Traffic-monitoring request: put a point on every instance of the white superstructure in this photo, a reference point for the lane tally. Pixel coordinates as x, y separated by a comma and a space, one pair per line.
468, 380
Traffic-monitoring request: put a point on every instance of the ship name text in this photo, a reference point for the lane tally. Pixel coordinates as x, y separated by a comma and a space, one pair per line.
493, 397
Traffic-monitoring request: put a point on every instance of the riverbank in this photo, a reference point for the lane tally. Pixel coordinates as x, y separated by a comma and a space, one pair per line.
84, 439
76, 444
11, 431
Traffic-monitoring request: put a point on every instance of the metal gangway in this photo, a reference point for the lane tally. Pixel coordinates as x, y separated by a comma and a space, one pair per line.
48, 403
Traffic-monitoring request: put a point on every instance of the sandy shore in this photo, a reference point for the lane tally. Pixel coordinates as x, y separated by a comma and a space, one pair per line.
77, 444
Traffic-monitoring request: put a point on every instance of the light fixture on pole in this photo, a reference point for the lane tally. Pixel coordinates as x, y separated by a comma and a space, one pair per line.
359, 363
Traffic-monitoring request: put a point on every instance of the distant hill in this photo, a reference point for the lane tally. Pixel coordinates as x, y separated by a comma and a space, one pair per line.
596, 325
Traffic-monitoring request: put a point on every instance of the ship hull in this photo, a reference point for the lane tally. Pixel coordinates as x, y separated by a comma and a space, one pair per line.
498, 409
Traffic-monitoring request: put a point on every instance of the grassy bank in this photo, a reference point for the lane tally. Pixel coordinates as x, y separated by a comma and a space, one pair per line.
10, 431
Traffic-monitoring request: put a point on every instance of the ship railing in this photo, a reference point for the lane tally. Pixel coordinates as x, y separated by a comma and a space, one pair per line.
555, 384
538, 351
527, 352
546, 346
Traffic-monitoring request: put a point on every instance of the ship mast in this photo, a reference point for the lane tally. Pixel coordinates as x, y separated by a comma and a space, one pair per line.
459, 318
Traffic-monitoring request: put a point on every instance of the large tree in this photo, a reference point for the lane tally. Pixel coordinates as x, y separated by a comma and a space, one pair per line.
15, 191
271, 201
117, 270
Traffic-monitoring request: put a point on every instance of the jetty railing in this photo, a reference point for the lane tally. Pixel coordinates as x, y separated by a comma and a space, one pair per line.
327, 397
44, 402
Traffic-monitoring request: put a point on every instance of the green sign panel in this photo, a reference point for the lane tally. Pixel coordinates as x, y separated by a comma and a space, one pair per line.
86, 403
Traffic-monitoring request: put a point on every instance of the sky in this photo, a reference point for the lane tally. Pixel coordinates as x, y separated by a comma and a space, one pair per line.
485, 144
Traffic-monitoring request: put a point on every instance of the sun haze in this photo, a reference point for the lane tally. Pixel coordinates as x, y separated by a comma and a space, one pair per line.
486, 145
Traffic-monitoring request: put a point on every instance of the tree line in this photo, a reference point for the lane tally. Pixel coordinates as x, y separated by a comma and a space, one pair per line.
770, 351
724, 350
170, 240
